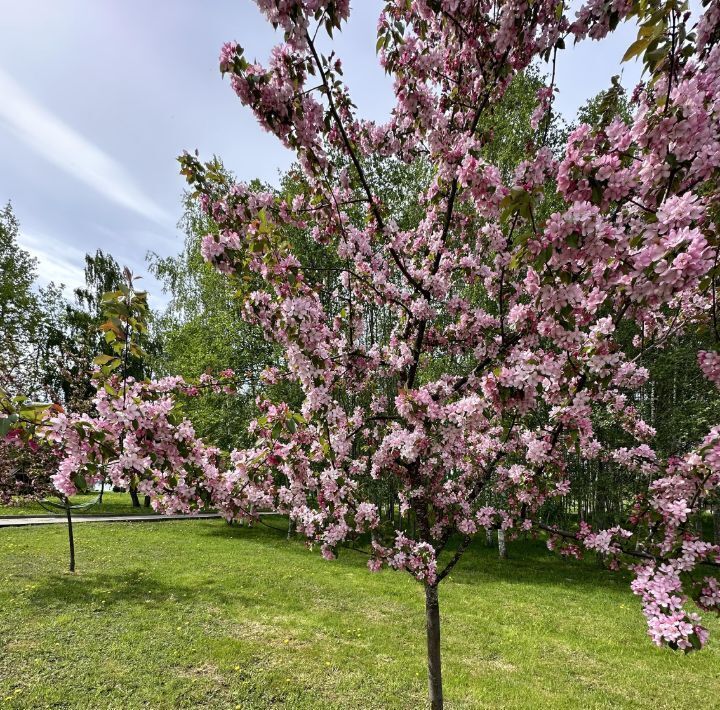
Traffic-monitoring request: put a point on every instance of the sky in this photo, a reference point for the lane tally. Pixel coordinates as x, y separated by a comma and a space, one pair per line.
99, 97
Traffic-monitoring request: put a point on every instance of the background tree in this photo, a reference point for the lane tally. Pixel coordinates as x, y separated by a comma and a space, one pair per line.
202, 331
73, 337
20, 310
125, 329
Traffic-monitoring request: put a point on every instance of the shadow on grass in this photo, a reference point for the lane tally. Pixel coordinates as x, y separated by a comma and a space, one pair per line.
530, 563
134, 586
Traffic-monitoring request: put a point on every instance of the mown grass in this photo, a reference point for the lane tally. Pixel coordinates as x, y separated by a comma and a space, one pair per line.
112, 504
200, 614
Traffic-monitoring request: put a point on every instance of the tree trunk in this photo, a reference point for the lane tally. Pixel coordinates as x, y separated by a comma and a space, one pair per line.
502, 547
147, 501
489, 537
432, 624
716, 524
70, 536
134, 497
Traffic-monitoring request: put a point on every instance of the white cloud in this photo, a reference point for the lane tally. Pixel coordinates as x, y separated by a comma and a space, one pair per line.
61, 145
63, 263
57, 261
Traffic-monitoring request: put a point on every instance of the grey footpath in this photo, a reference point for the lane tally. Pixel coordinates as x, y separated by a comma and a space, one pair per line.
17, 521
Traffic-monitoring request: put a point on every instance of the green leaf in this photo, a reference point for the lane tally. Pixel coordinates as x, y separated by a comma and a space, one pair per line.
6, 423
79, 481
103, 359
636, 48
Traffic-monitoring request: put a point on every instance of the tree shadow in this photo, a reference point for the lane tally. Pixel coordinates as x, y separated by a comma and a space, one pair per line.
530, 563
107, 589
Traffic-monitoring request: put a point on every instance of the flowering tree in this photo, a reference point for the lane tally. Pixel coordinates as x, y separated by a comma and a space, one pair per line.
141, 441
25, 462
505, 298
137, 436
506, 312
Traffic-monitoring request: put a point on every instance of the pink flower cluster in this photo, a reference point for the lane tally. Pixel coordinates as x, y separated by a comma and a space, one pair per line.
137, 439
710, 365
660, 589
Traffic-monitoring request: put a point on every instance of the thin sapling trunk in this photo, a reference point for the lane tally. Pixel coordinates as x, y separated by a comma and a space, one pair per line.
432, 624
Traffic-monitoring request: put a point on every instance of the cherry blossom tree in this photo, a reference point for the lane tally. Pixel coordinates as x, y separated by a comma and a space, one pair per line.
25, 463
506, 297
137, 437
506, 313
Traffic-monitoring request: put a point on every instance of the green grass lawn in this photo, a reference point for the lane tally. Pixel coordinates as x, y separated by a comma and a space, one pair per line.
112, 504
200, 614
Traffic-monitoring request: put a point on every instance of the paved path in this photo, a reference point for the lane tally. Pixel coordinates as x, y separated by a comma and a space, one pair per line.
11, 521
